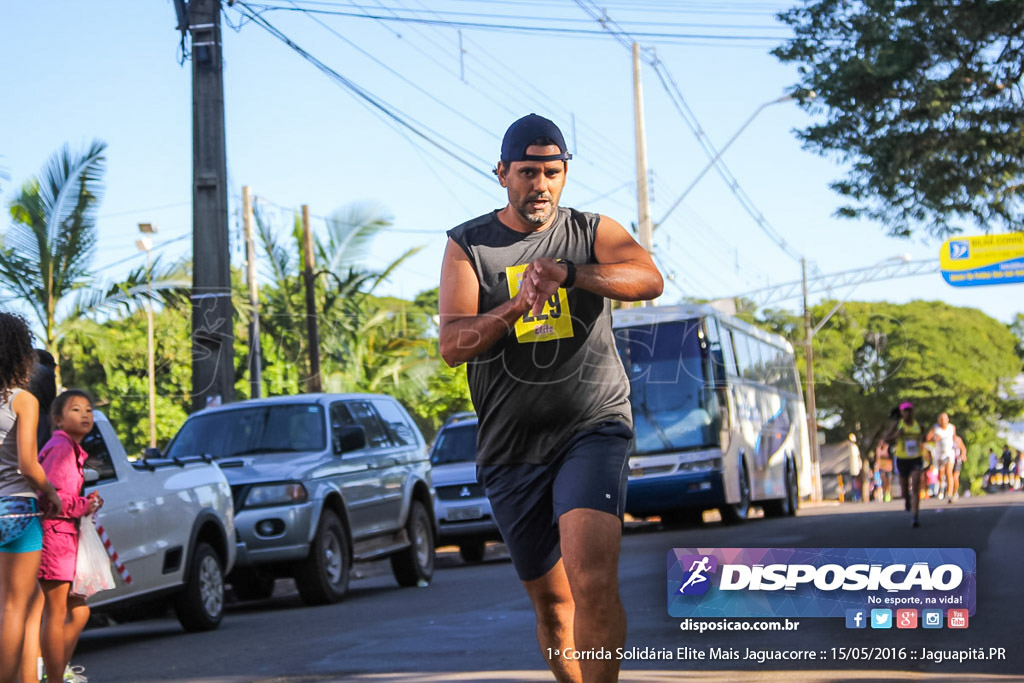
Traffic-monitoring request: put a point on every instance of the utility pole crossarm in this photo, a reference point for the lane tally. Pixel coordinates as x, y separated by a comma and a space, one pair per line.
847, 278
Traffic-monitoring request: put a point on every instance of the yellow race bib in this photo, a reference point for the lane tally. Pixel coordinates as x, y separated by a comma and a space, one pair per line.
554, 322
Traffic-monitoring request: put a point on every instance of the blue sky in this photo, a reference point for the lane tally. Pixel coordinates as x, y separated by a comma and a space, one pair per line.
77, 71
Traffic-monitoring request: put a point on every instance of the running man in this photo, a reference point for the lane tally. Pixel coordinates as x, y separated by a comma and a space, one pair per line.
524, 300
697, 570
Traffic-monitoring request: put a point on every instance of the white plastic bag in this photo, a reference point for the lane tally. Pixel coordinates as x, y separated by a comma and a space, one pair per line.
92, 566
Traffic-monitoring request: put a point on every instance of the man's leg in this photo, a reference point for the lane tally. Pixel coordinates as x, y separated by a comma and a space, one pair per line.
590, 553
553, 604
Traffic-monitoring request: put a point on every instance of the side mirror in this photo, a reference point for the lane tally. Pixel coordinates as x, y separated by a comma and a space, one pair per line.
91, 475
151, 453
349, 438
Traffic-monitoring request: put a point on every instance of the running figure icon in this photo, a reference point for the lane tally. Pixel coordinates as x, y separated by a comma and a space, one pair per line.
696, 570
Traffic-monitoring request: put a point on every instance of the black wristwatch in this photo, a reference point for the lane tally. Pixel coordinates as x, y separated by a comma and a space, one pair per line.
570, 275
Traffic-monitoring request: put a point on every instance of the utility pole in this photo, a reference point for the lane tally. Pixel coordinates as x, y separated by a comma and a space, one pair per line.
812, 417
212, 336
643, 199
313, 384
645, 231
255, 349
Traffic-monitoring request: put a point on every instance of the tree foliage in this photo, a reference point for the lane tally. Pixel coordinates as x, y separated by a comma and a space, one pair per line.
46, 252
923, 100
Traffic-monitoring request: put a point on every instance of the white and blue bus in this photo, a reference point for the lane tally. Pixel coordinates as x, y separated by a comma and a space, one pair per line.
718, 415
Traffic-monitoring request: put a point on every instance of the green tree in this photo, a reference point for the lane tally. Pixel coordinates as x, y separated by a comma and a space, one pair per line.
46, 252
108, 359
367, 343
923, 100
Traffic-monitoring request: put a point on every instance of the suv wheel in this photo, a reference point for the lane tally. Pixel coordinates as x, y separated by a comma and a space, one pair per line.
323, 577
416, 563
199, 605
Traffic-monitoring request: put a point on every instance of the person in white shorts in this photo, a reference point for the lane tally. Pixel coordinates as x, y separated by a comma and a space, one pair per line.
943, 436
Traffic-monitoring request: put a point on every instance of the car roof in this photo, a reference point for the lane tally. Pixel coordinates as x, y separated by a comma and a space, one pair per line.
291, 399
466, 418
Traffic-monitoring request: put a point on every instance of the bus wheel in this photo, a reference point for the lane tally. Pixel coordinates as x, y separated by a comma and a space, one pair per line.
785, 507
735, 513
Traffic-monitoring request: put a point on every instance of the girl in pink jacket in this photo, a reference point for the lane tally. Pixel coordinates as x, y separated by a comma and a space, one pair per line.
63, 458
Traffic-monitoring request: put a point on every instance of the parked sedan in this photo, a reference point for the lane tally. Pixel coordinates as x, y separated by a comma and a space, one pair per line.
463, 512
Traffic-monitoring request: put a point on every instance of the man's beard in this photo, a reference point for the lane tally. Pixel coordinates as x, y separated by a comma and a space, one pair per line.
537, 218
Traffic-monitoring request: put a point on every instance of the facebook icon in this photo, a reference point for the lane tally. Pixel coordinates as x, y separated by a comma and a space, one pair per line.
856, 618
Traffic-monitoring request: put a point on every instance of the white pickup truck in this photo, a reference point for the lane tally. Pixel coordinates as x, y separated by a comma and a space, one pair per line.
171, 523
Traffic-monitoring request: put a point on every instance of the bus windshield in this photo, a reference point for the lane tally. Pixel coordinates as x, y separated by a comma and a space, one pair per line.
674, 408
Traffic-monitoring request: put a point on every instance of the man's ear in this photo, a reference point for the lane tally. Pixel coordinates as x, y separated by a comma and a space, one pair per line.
502, 173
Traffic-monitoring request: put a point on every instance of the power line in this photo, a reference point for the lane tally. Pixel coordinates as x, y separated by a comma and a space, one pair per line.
653, 35
675, 95
390, 112
568, 20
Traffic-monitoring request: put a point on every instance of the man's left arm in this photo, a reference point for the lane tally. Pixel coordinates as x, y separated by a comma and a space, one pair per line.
624, 270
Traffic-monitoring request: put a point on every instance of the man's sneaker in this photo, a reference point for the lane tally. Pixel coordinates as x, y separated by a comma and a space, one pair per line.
914, 525
75, 674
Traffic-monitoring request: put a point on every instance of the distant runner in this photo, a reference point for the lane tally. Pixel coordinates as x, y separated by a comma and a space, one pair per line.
943, 435
909, 436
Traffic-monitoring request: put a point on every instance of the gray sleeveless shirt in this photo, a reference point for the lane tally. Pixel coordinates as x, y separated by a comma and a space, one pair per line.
554, 374
12, 483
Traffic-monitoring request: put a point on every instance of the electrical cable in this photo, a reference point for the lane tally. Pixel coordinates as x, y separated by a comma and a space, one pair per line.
382, 107
654, 36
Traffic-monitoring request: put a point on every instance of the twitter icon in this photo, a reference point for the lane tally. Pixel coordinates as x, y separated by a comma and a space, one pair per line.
881, 618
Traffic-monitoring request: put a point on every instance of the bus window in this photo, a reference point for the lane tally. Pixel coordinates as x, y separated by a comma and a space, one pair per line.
746, 364
721, 353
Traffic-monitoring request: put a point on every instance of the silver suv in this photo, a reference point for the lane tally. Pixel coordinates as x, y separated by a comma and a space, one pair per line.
320, 481
463, 512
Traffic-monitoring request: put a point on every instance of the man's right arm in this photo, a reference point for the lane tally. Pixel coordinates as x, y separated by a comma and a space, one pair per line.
465, 333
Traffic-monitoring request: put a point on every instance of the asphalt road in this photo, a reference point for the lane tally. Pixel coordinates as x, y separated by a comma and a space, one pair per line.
474, 623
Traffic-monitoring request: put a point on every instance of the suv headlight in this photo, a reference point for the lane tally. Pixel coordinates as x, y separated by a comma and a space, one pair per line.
276, 494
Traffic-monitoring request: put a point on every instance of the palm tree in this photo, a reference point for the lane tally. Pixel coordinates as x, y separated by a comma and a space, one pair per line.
45, 254
366, 346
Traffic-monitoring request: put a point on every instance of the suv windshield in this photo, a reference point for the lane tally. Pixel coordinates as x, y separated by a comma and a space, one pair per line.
673, 407
288, 428
455, 444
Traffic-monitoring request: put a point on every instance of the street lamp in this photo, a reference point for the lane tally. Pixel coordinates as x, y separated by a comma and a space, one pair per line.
799, 95
145, 243
809, 332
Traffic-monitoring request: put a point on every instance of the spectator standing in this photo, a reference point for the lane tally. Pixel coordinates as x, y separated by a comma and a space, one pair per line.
43, 385
1007, 458
64, 614
21, 477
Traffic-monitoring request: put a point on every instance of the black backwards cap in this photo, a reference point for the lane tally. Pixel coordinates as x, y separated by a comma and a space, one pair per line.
522, 134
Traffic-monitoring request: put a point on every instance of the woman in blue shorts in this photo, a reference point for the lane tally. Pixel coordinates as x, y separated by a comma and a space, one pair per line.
21, 476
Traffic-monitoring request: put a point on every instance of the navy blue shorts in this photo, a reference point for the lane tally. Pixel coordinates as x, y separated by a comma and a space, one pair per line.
590, 471
906, 466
